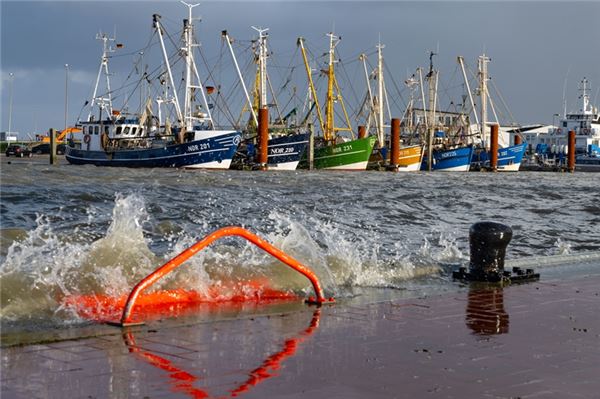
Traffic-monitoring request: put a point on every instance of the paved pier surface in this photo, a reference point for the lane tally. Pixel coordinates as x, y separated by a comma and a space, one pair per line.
538, 340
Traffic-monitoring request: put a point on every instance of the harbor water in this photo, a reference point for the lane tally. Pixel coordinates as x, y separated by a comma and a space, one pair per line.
83, 230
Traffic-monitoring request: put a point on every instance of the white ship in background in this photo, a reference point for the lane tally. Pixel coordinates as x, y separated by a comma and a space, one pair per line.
585, 123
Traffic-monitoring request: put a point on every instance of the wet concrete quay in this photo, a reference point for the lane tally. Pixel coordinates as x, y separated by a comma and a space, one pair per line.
538, 340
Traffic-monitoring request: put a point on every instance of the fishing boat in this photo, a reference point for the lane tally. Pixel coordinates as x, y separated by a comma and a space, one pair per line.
508, 158
450, 160
447, 154
410, 157
114, 138
333, 151
285, 146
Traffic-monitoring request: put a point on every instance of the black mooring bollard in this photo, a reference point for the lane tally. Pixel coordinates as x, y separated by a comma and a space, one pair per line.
488, 241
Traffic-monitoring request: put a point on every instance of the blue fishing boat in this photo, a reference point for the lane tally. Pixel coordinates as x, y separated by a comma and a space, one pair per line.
509, 158
211, 149
286, 145
452, 160
283, 152
115, 138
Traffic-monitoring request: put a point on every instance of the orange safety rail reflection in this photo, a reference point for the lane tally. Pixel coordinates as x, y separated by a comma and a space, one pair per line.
183, 382
273, 362
126, 318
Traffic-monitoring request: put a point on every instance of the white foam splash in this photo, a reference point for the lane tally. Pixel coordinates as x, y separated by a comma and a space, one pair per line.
42, 269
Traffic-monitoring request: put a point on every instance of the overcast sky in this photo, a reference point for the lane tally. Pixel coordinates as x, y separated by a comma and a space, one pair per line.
535, 47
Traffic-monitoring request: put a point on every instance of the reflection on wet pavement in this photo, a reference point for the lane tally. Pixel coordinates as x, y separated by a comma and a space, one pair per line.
183, 382
452, 345
485, 311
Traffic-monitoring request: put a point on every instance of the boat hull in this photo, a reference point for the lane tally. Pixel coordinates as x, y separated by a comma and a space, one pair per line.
454, 160
410, 159
285, 152
351, 155
212, 152
509, 158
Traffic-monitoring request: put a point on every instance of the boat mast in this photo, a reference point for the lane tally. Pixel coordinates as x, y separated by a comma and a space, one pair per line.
363, 58
103, 101
262, 65
380, 127
483, 78
313, 91
329, 132
432, 78
187, 34
158, 27
191, 66
420, 72
237, 68
461, 62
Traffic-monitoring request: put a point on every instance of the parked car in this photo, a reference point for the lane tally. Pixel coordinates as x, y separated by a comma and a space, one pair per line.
18, 150
44, 148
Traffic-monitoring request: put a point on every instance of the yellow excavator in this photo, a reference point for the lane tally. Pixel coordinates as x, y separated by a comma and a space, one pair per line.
60, 137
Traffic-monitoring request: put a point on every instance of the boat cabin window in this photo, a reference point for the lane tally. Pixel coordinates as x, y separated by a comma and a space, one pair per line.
96, 129
141, 131
126, 130
119, 128
565, 124
133, 131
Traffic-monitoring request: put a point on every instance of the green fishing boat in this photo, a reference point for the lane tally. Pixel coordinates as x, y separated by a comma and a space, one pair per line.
333, 151
351, 155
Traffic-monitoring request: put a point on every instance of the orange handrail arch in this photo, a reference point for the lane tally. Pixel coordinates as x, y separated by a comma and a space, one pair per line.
206, 241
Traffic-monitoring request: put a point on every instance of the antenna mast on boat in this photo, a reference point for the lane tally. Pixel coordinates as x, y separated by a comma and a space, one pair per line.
483, 76
586, 109
103, 102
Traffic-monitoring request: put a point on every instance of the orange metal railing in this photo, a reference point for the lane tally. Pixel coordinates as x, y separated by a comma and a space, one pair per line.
126, 318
